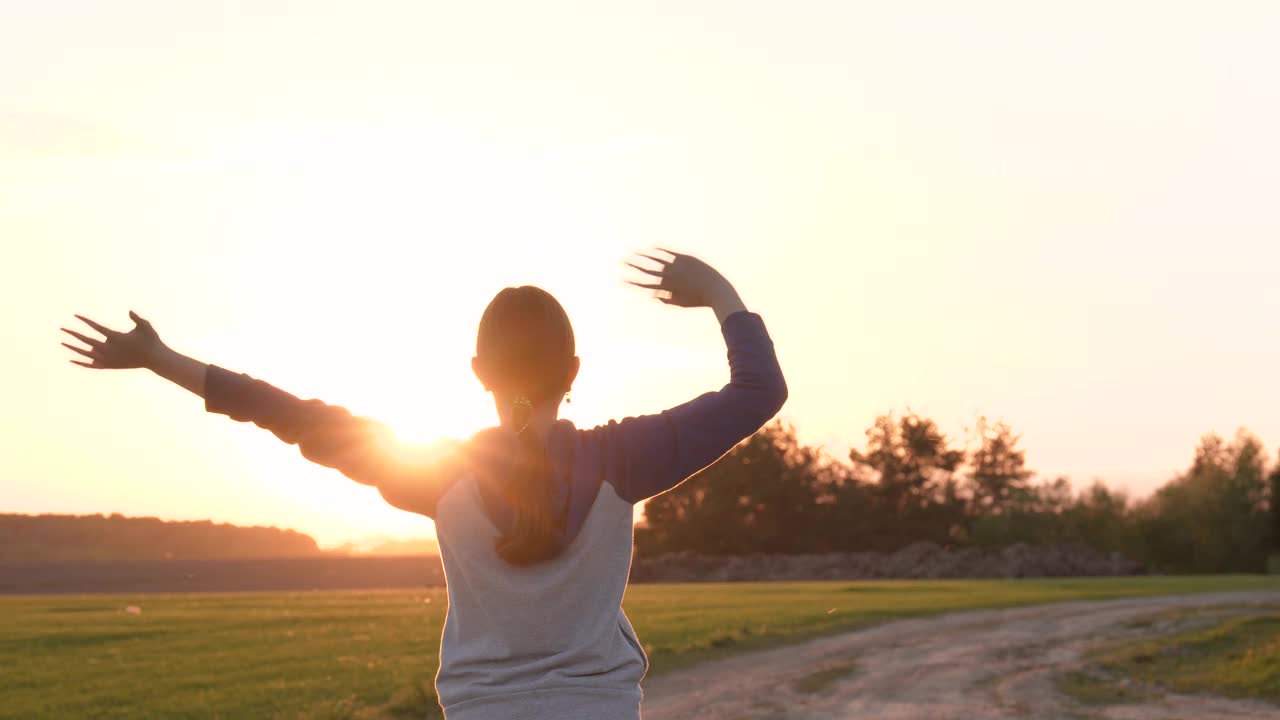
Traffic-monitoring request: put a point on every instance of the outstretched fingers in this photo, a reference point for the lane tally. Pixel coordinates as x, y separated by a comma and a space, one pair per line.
662, 290
106, 331
91, 354
95, 346
645, 270
91, 342
661, 261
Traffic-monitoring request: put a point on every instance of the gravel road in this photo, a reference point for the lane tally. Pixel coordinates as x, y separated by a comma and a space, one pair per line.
961, 666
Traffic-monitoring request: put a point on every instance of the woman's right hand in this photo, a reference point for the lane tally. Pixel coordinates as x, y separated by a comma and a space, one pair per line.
686, 281
137, 348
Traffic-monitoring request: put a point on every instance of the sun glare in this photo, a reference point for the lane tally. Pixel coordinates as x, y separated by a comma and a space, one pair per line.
459, 415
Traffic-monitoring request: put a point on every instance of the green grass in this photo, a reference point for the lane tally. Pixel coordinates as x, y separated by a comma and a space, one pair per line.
346, 655
1237, 657
1092, 687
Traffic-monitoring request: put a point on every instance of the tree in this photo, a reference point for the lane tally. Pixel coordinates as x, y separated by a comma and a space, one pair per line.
1213, 517
1100, 517
764, 496
913, 470
850, 514
1031, 514
116, 537
1274, 501
997, 468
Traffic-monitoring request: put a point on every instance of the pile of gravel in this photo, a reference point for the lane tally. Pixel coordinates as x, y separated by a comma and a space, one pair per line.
918, 560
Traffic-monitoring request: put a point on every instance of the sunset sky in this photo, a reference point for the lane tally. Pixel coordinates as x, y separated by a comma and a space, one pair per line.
1061, 216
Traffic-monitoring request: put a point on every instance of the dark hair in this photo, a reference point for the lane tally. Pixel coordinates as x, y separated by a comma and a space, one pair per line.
525, 343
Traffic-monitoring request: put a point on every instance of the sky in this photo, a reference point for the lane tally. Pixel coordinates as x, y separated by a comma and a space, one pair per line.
1063, 216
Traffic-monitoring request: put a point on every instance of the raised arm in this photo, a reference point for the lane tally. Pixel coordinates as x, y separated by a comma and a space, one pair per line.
141, 347
360, 448
653, 453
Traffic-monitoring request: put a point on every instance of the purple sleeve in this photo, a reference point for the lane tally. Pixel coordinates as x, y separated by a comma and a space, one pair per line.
360, 448
651, 454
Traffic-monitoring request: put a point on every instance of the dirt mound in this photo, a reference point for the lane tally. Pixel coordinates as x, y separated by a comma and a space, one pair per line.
918, 560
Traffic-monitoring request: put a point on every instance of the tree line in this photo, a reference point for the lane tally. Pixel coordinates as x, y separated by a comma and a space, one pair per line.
116, 537
773, 494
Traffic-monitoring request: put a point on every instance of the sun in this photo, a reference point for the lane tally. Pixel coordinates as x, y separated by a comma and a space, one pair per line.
456, 411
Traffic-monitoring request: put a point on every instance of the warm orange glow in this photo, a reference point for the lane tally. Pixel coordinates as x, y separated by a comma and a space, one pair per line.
1060, 219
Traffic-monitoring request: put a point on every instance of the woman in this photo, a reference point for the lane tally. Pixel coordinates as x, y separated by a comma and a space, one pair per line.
533, 517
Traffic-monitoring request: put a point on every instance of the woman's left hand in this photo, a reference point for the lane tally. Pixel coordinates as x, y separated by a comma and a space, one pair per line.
134, 349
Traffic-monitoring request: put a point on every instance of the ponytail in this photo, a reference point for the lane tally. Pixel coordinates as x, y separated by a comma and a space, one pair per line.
526, 340
536, 528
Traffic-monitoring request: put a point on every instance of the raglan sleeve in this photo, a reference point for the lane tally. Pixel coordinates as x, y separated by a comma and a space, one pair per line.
361, 448
650, 454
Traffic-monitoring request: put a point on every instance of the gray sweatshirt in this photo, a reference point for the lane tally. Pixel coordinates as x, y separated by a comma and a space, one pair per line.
549, 640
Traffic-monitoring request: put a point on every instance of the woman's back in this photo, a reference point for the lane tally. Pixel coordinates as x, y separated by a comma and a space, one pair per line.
554, 633
548, 640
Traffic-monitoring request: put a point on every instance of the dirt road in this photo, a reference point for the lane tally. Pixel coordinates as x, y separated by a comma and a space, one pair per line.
961, 666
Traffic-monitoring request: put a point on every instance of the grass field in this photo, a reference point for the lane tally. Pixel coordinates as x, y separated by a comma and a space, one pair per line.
330, 655
1236, 656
